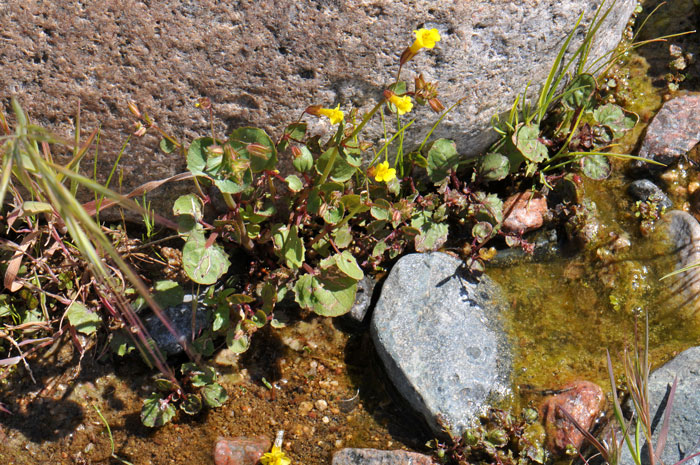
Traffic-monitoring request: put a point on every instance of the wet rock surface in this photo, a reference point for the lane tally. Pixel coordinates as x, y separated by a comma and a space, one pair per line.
674, 130
584, 401
439, 336
683, 232
684, 430
646, 191
524, 212
181, 318
363, 300
240, 451
263, 62
379, 457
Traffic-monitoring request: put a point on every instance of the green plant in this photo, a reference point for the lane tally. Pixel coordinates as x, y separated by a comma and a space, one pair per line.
499, 438
197, 389
55, 215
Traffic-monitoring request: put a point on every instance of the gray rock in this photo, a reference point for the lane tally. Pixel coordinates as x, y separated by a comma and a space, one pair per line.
674, 130
379, 457
181, 319
438, 334
263, 62
645, 190
684, 431
363, 299
682, 231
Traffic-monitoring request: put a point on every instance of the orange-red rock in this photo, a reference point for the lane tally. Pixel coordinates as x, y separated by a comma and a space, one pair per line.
524, 212
584, 401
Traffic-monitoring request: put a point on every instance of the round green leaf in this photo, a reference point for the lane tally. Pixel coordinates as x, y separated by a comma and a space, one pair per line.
294, 183
494, 166
191, 404
442, 157
596, 167
526, 140
156, 411
264, 157
204, 265
166, 145
214, 395
197, 155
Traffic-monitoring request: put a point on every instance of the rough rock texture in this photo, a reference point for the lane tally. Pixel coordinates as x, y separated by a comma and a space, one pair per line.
240, 451
645, 190
379, 457
181, 318
363, 300
584, 401
674, 130
262, 62
438, 333
524, 212
683, 233
684, 431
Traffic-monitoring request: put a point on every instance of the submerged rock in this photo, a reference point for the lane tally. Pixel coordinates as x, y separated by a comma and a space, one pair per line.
379, 457
437, 330
584, 401
674, 130
240, 451
261, 63
647, 191
181, 319
682, 230
684, 428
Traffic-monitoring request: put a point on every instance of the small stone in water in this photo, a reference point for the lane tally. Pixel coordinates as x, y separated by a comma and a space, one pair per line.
524, 212
583, 400
240, 451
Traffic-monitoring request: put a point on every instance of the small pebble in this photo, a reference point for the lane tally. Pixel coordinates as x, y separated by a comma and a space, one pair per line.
305, 407
321, 405
326, 420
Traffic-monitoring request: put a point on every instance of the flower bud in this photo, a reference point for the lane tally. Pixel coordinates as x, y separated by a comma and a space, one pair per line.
303, 160
313, 110
258, 150
134, 109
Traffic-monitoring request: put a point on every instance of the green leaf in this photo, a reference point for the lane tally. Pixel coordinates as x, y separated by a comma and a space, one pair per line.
482, 231
83, 319
442, 158
199, 376
288, 245
222, 316
596, 167
165, 385
188, 205
608, 114
34, 208
332, 214
325, 297
348, 265
580, 93
494, 166
432, 235
204, 265
156, 411
263, 156
526, 141
166, 145
237, 340
354, 202
379, 249
399, 88
343, 236
341, 170
381, 210
191, 404
214, 395
295, 131
294, 183
197, 155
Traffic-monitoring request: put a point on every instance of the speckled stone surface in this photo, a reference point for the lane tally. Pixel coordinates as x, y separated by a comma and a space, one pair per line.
439, 336
379, 457
674, 130
262, 62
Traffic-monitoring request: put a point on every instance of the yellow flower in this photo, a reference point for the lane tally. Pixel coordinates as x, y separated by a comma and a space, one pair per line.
382, 172
403, 104
276, 456
425, 38
333, 114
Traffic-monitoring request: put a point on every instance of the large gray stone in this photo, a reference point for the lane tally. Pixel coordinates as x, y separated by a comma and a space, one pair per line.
379, 457
684, 431
262, 62
438, 333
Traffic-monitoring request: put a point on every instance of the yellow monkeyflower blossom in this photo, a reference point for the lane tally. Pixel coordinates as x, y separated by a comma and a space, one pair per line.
275, 456
382, 172
333, 114
403, 104
425, 38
